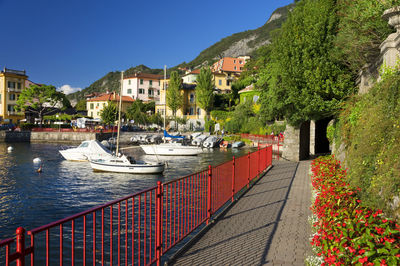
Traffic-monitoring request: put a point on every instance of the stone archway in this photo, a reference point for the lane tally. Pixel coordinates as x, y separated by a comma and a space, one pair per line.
319, 143
296, 145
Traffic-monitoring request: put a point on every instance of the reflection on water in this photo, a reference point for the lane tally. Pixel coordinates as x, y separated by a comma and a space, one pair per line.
63, 188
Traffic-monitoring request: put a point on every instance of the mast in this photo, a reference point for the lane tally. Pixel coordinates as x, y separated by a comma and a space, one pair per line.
119, 112
165, 93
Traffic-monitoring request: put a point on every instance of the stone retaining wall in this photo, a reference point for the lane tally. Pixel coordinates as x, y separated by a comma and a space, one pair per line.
62, 137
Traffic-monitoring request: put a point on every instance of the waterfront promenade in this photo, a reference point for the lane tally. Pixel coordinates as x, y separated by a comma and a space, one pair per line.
267, 226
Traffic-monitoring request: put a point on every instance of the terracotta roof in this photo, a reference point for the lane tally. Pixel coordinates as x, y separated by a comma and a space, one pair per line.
144, 76
231, 64
248, 88
196, 71
111, 97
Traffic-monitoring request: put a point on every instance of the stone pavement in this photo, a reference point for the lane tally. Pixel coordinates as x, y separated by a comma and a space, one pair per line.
267, 226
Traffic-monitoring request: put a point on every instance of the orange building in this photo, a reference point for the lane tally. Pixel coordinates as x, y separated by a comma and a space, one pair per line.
226, 71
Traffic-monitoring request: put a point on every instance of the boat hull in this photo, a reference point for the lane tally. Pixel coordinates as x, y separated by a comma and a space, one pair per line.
171, 150
73, 156
132, 169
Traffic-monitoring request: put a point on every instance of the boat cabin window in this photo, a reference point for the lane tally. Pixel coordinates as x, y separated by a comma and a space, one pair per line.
84, 145
131, 160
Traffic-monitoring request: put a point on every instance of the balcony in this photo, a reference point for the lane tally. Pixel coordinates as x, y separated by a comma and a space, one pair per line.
14, 90
14, 113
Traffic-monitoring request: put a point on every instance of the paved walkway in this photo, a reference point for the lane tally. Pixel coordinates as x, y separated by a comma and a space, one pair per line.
267, 226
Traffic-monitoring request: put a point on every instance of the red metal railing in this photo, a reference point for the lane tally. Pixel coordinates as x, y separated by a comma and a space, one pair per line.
139, 228
37, 129
262, 140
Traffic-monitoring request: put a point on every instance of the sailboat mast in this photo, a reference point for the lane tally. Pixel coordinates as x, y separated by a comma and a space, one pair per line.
119, 112
165, 93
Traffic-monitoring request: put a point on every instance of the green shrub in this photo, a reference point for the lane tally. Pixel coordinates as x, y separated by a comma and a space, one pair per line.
209, 125
369, 127
27, 126
219, 115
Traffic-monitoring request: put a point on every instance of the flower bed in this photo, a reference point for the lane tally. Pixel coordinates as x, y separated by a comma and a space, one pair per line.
346, 232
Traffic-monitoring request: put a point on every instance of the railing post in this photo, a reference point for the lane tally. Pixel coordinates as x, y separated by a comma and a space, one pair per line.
159, 222
209, 197
278, 150
20, 246
258, 161
233, 178
248, 175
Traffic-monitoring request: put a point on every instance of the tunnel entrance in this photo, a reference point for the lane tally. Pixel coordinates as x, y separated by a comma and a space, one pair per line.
321, 141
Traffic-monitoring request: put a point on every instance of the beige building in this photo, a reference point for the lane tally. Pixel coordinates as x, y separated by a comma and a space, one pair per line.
142, 86
12, 82
95, 105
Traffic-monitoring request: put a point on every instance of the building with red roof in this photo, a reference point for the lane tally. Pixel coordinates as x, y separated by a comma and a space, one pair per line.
95, 105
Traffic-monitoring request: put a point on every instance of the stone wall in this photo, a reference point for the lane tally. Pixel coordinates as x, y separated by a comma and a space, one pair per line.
59, 137
296, 146
62, 137
390, 53
14, 136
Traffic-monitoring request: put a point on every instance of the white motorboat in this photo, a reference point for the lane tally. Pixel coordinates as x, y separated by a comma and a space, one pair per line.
154, 139
198, 141
238, 144
211, 142
87, 149
196, 134
173, 149
126, 164
121, 163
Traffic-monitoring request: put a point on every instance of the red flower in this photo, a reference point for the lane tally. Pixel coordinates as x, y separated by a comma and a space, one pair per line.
362, 251
379, 230
362, 260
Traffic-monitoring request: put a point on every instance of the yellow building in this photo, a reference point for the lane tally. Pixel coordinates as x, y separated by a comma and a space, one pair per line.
95, 105
189, 110
223, 81
12, 82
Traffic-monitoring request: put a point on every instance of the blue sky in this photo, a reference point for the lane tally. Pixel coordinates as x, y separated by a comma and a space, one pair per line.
73, 43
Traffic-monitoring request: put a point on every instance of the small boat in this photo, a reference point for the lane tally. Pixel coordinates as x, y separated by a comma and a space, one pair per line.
225, 144
120, 163
87, 149
195, 135
153, 139
172, 149
211, 142
238, 144
198, 141
126, 164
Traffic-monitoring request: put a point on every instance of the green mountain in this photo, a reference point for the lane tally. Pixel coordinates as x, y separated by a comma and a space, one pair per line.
242, 43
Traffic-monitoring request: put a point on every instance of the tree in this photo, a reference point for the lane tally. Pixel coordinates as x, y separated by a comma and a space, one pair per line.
156, 119
137, 112
174, 95
109, 113
81, 105
41, 99
303, 81
204, 90
362, 30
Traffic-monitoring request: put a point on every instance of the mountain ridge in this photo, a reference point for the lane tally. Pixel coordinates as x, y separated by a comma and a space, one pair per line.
241, 43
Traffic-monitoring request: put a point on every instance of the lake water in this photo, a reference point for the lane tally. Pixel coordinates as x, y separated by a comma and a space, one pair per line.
32, 199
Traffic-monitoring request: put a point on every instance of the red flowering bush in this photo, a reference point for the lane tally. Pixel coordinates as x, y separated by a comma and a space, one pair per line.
347, 232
